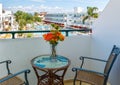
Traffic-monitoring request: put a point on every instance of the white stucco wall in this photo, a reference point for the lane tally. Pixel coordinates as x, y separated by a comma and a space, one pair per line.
21, 51
106, 32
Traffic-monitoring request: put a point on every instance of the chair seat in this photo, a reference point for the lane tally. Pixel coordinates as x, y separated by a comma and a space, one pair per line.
13, 81
91, 78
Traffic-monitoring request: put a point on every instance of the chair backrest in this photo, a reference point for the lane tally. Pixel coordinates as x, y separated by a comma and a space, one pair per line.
113, 55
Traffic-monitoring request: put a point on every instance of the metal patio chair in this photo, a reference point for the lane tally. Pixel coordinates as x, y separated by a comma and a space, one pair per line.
93, 77
13, 79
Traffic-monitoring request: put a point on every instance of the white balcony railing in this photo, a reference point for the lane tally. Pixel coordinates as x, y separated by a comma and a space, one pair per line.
21, 51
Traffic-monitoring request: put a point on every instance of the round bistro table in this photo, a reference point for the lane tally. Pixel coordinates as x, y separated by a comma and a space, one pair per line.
50, 72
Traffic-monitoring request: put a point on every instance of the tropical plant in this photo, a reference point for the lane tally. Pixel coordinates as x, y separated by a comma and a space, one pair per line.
36, 14
24, 18
29, 35
36, 18
91, 13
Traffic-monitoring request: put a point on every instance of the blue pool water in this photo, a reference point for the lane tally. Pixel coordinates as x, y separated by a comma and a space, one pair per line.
47, 27
42, 27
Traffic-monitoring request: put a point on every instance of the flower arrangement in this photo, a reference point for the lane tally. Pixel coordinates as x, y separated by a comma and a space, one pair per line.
54, 36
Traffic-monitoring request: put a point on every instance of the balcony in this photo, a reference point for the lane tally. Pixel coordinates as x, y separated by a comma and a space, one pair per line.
105, 35
21, 51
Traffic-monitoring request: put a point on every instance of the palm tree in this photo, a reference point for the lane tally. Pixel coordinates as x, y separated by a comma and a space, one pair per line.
36, 17
36, 14
91, 13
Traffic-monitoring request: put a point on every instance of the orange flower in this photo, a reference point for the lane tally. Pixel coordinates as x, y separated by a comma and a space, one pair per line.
61, 37
54, 36
48, 36
58, 33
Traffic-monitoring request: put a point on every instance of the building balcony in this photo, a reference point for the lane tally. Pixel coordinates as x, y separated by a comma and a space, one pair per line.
21, 51
105, 34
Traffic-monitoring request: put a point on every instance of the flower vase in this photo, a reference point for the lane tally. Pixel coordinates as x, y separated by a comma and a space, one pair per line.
53, 52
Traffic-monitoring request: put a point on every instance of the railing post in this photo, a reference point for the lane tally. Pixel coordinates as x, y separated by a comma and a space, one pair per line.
13, 35
67, 32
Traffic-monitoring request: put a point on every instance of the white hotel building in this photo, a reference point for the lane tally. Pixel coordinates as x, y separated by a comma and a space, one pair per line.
68, 19
0, 16
6, 18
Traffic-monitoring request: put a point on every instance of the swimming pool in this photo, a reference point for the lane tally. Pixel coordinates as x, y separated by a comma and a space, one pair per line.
42, 27
48, 27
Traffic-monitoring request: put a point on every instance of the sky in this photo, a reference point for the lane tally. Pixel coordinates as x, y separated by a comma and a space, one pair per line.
52, 5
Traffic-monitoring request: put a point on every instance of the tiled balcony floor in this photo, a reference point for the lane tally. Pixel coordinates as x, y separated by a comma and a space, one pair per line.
70, 82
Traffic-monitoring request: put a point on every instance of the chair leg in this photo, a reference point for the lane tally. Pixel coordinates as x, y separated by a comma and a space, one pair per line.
38, 83
74, 82
80, 83
62, 83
